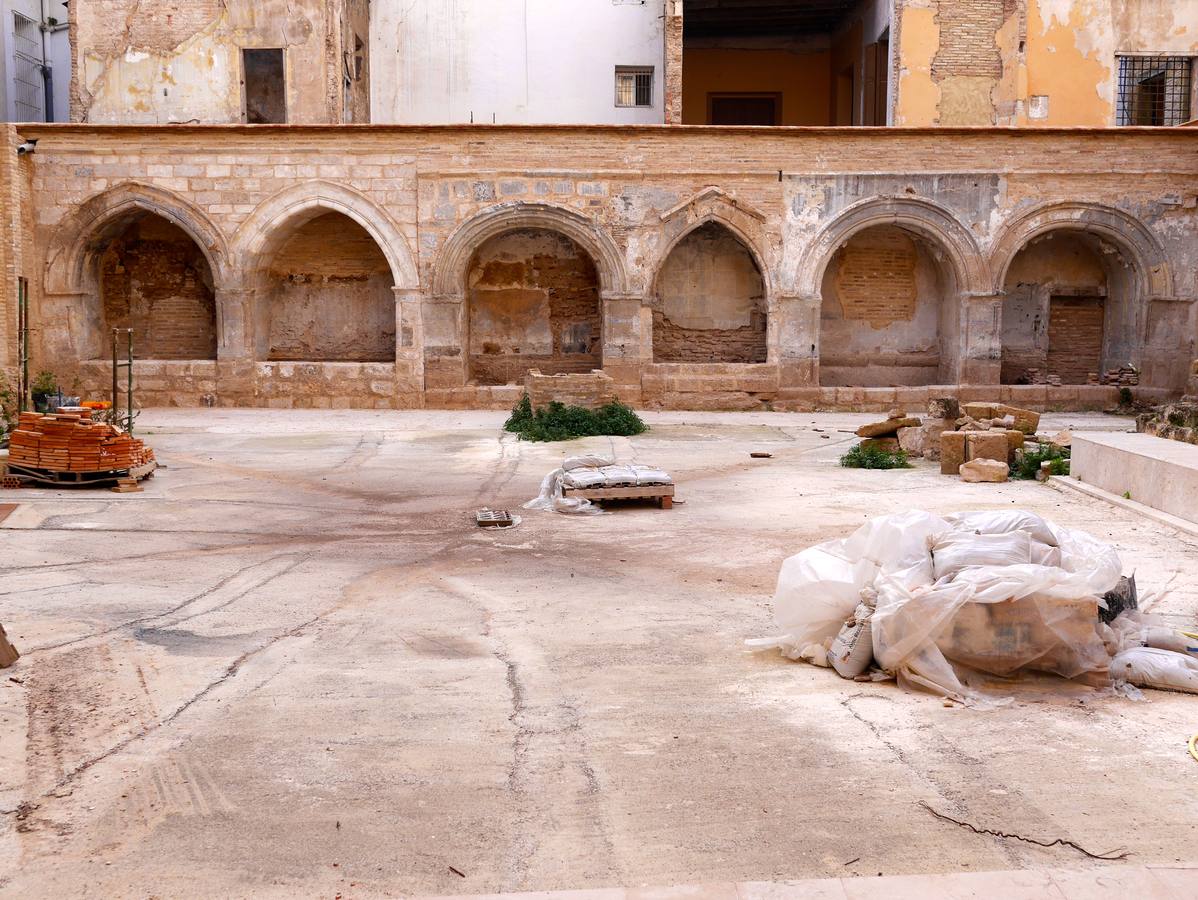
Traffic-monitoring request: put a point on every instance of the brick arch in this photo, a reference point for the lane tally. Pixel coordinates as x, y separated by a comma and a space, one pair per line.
275, 219
452, 265
103, 215
1135, 241
929, 220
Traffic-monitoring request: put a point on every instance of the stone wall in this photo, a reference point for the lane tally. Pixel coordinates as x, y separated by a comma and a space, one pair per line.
430, 199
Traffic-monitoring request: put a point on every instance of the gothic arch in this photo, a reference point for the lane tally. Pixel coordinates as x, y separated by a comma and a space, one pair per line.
77, 235
453, 262
714, 205
929, 220
1132, 237
275, 218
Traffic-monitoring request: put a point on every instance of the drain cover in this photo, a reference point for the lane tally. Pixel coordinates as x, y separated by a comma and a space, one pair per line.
493, 518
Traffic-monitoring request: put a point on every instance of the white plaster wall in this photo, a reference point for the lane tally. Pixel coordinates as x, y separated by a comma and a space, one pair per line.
57, 53
511, 61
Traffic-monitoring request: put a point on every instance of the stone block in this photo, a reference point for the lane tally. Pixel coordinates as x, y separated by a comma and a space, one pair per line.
988, 445
980, 410
1026, 420
985, 470
1015, 439
944, 408
886, 444
952, 452
913, 441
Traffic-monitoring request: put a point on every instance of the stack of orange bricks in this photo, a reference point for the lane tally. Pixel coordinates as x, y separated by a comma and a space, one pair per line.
72, 442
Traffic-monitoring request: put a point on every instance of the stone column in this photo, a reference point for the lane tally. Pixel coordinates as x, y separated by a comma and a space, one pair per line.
672, 35
794, 341
444, 344
627, 343
980, 343
409, 346
235, 347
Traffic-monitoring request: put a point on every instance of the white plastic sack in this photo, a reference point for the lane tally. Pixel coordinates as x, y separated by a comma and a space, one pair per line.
1152, 668
958, 550
998, 614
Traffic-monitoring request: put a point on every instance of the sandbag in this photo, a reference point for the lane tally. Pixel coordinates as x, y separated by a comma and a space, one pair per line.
852, 649
1152, 668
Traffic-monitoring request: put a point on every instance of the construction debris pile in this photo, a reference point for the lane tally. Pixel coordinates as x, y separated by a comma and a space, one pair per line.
1124, 376
72, 442
948, 604
978, 441
1175, 421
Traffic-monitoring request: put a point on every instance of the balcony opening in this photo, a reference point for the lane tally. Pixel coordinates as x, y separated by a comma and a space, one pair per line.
766, 62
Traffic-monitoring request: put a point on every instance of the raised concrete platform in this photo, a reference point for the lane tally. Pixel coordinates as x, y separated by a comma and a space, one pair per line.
1156, 472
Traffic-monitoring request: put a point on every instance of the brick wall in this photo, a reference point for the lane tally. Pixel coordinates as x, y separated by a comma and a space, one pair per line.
1075, 338
967, 38
875, 277
155, 280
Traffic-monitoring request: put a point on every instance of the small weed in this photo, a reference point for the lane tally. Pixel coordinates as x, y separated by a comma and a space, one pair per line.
860, 457
1127, 495
557, 422
1027, 462
1125, 397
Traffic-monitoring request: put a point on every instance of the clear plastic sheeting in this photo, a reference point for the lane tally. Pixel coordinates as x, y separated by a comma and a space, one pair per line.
979, 593
552, 495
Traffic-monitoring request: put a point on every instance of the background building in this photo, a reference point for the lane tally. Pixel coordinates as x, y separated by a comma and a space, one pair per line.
220, 61
35, 68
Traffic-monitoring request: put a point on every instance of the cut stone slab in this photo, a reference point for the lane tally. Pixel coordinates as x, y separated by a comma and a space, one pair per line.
989, 471
1015, 441
1026, 420
952, 452
1062, 438
989, 445
888, 428
913, 441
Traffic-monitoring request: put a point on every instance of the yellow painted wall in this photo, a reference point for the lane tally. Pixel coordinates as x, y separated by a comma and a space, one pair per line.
802, 79
1072, 45
918, 101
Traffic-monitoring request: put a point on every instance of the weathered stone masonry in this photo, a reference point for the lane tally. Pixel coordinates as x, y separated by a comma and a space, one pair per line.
959, 206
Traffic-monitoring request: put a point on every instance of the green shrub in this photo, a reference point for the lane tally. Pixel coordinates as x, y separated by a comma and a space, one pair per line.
1125, 397
557, 422
861, 457
1027, 462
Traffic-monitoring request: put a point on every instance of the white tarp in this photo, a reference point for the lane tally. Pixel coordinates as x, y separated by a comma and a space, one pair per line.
988, 592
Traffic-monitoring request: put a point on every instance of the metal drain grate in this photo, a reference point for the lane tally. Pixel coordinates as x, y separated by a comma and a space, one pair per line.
493, 518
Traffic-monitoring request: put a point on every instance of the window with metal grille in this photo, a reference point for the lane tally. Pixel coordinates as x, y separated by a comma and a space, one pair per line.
28, 83
634, 85
1155, 90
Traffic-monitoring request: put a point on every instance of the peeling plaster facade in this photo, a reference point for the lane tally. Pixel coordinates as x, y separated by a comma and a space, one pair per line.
157, 63
1037, 63
604, 215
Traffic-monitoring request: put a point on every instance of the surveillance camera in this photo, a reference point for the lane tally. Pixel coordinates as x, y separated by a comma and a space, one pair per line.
27, 147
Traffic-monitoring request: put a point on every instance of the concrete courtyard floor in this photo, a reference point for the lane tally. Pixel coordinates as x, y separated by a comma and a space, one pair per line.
293, 666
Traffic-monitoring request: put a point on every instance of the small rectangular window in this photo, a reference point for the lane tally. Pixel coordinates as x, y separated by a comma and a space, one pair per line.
265, 84
1155, 90
634, 85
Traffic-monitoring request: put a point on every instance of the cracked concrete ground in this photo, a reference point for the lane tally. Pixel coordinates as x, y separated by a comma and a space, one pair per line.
294, 666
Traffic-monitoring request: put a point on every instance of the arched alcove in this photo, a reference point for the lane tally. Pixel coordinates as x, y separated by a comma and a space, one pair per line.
710, 303
889, 311
532, 297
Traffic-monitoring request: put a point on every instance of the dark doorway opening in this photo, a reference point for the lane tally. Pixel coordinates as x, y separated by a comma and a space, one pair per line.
265, 86
744, 109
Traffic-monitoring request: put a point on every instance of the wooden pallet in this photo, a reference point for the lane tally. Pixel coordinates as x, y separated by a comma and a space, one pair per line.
662, 493
57, 478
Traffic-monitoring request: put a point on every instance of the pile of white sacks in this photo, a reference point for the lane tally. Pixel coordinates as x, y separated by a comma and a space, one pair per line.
947, 603
580, 472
